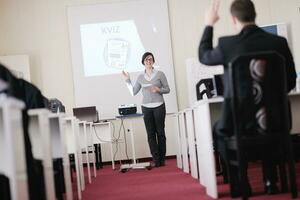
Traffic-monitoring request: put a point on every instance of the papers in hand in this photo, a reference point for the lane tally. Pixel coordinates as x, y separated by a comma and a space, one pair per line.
147, 86
144, 86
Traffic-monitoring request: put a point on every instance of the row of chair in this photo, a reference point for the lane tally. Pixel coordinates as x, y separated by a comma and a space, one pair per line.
53, 138
194, 149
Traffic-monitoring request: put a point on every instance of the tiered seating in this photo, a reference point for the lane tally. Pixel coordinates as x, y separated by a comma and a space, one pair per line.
35, 145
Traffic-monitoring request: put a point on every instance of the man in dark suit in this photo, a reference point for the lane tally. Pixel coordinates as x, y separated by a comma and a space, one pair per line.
250, 38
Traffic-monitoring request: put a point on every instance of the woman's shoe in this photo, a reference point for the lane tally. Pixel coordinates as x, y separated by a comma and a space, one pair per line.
154, 164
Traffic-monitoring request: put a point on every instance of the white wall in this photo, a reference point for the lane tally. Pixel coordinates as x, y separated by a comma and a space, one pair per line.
18, 64
39, 28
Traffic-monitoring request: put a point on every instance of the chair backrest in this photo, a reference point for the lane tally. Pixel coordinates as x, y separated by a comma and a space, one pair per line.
259, 94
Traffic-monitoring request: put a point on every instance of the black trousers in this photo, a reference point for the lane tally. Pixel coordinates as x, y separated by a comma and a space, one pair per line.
268, 158
154, 119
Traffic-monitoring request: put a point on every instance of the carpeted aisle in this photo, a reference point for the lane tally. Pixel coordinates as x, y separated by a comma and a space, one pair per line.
164, 183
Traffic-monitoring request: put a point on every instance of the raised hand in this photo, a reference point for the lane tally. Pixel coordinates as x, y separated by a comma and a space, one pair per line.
211, 15
126, 75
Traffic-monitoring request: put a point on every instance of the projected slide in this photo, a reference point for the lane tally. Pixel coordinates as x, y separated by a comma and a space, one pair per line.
110, 47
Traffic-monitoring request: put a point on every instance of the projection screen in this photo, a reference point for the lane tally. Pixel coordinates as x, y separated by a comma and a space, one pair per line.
107, 38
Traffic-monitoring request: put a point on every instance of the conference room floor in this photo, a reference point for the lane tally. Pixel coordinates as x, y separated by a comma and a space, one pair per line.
167, 182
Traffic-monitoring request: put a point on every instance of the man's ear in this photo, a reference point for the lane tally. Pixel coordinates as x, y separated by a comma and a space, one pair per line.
234, 20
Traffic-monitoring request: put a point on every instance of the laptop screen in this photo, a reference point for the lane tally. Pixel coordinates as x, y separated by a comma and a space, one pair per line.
88, 114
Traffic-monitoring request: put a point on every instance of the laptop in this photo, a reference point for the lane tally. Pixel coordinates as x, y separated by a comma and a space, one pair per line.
88, 114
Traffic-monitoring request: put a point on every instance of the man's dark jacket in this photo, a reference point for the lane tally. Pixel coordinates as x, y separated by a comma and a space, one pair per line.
250, 40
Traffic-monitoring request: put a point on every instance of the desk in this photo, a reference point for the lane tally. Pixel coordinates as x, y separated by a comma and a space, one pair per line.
183, 146
82, 135
186, 136
142, 149
59, 149
134, 165
39, 132
71, 146
12, 148
206, 113
103, 135
175, 118
190, 129
90, 143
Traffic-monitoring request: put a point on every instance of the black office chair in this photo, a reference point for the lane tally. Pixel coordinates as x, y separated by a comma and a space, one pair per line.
4, 188
261, 118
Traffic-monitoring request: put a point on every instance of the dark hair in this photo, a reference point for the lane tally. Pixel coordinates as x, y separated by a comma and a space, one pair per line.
243, 10
146, 55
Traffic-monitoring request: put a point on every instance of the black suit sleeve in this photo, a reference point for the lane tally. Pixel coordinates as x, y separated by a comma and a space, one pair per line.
290, 68
207, 54
33, 97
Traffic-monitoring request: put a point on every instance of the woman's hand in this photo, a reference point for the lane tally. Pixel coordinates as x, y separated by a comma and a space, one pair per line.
126, 75
155, 89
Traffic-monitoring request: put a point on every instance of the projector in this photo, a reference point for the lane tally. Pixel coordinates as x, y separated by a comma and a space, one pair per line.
127, 109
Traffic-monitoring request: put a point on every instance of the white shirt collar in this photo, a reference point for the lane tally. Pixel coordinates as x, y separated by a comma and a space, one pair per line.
151, 76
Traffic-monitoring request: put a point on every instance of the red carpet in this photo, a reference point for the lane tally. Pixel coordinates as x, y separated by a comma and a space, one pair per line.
256, 182
165, 183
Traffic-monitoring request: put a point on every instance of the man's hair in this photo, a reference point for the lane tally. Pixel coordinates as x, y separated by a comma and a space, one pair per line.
243, 10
